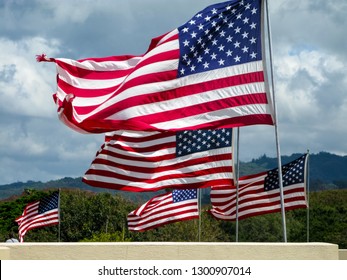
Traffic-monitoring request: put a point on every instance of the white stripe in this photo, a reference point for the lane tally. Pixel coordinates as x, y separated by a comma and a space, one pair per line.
91, 65
177, 83
212, 116
186, 81
169, 162
159, 222
88, 83
142, 176
169, 209
160, 184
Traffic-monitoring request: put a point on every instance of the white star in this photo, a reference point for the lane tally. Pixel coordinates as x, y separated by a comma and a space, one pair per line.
253, 40
245, 49
253, 55
221, 62
245, 35
237, 59
229, 39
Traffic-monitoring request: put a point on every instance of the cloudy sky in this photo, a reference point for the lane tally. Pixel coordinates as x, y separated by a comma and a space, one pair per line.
309, 45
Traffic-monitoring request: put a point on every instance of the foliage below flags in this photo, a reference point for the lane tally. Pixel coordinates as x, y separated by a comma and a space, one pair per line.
102, 217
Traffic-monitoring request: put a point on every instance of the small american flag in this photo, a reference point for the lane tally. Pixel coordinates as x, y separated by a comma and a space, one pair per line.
44, 212
259, 194
178, 205
152, 161
206, 74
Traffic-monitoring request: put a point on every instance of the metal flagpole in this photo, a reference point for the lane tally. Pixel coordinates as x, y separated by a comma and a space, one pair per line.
199, 205
308, 196
237, 184
280, 179
59, 214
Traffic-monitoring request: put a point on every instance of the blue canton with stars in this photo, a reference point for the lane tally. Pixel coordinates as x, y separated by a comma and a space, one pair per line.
48, 203
181, 195
193, 141
221, 35
293, 173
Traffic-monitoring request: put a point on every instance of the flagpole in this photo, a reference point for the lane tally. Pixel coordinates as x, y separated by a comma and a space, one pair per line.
280, 179
237, 184
199, 205
59, 214
308, 196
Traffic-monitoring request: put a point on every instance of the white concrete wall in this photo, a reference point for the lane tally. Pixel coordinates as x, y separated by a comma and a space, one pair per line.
169, 251
343, 254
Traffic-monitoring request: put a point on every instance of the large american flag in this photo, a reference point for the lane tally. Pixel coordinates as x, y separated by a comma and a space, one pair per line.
44, 212
259, 194
208, 73
178, 205
151, 161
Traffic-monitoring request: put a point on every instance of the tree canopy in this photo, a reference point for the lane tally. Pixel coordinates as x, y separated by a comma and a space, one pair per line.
101, 217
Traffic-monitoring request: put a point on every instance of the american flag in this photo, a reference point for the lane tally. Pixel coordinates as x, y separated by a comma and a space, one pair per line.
151, 161
259, 194
178, 205
44, 212
205, 74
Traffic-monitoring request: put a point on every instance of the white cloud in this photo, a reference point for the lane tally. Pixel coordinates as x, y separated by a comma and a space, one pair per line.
26, 87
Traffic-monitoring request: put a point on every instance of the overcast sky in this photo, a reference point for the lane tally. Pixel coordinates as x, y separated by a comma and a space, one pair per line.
309, 45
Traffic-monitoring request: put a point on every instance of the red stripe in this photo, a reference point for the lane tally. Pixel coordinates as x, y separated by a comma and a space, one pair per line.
192, 174
184, 91
165, 214
166, 223
175, 164
195, 185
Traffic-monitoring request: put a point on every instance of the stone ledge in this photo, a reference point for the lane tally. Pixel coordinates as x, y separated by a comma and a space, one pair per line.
169, 251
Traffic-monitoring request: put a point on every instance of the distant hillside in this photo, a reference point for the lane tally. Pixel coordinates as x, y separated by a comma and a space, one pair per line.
327, 171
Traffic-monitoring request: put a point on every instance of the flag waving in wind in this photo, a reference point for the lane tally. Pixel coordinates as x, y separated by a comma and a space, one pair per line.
42, 213
206, 74
259, 194
152, 161
178, 205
